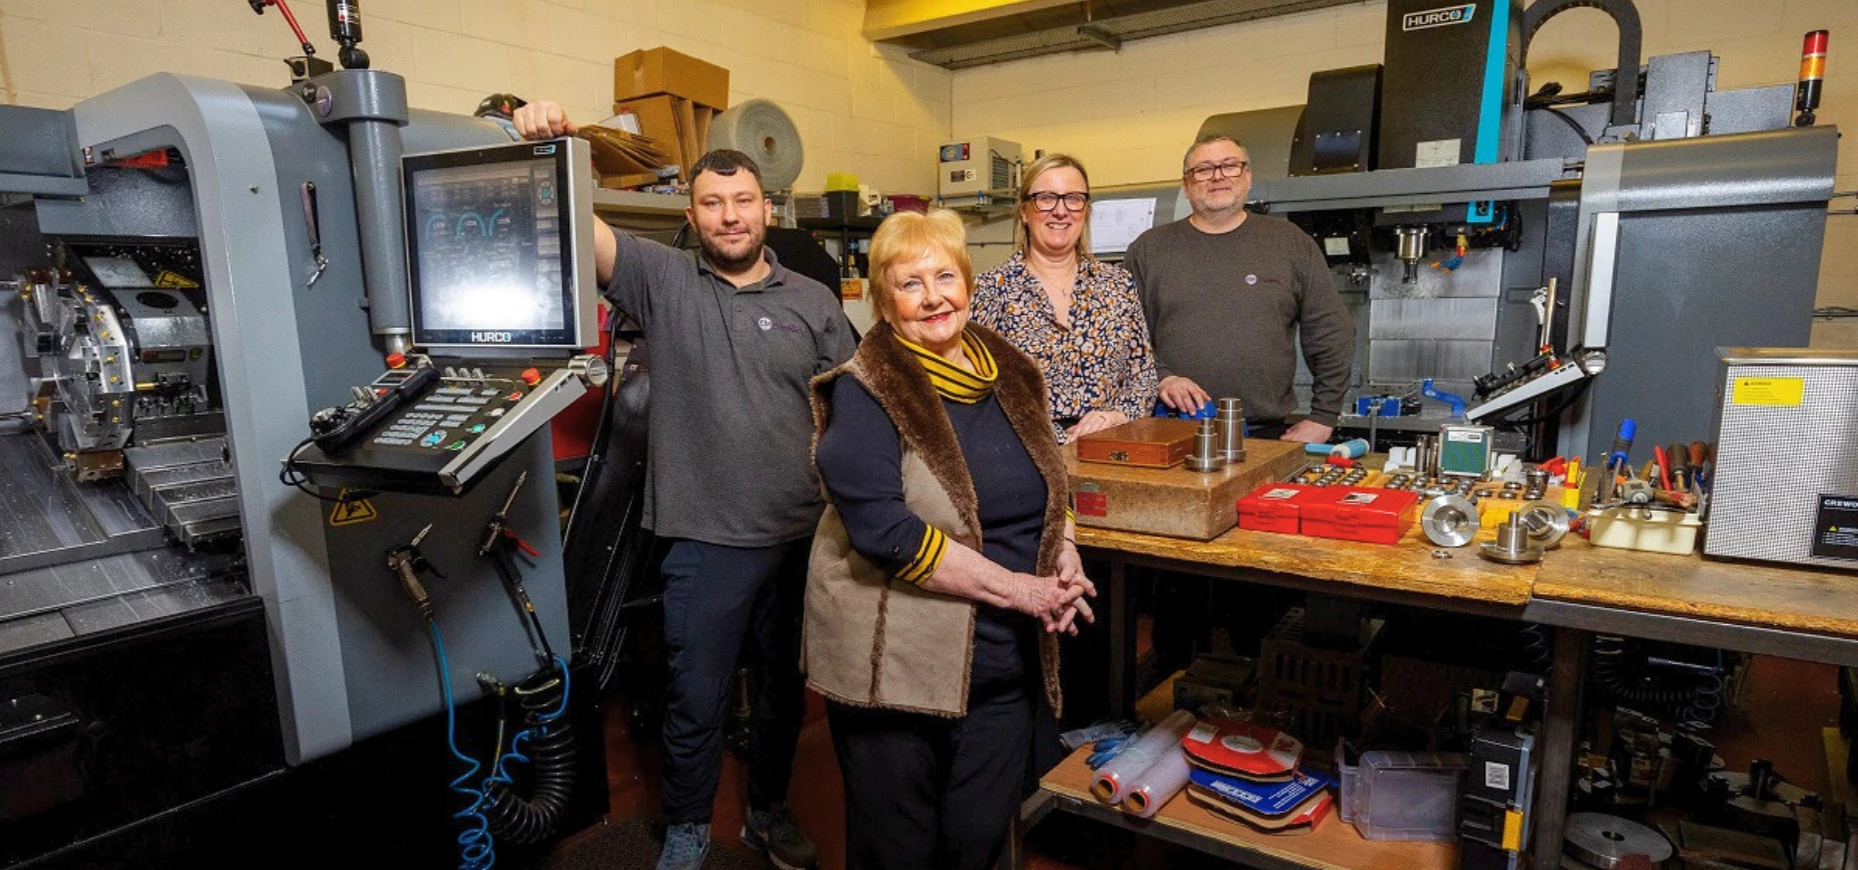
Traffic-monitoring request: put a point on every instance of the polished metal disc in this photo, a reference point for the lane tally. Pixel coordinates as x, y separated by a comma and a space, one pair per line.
1449, 521
1545, 521
1607, 841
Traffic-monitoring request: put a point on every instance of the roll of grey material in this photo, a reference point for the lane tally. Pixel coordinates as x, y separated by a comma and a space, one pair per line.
760, 129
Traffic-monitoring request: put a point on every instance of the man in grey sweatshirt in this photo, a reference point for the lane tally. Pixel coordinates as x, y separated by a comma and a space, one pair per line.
1227, 294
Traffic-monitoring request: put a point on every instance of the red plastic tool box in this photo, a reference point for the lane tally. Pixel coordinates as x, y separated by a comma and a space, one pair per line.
1358, 513
1275, 507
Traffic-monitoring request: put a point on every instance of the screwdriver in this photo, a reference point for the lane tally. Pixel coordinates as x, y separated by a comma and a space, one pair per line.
1680, 467
1622, 446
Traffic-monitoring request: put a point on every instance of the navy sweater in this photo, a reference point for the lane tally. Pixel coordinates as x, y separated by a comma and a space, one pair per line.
860, 461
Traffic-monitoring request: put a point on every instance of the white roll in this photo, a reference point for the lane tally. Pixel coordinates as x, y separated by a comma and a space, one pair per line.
760, 129
1158, 784
1111, 784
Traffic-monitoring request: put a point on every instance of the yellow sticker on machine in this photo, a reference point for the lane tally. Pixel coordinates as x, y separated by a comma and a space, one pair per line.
1772, 392
168, 280
352, 511
1512, 830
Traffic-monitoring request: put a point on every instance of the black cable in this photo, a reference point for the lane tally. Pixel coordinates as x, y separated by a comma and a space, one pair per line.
512, 583
291, 476
1569, 120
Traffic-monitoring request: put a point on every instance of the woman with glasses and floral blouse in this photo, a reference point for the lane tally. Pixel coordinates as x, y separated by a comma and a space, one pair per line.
1078, 318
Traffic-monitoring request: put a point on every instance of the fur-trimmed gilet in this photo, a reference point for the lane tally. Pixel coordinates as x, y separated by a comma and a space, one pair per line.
874, 641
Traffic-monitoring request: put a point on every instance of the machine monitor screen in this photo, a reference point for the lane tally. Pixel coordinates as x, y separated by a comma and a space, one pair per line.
495, 247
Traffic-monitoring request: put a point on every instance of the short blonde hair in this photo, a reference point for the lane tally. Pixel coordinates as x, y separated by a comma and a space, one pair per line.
908, 235
1022, 239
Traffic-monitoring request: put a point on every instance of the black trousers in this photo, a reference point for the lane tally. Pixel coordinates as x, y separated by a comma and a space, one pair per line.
927, 793
716, 598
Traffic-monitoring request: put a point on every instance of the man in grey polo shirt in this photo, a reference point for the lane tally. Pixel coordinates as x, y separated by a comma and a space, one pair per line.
735, 339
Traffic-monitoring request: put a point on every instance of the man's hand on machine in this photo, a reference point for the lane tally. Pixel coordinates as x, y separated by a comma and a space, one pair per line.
546, 119
1182, 394
1308, 432
543, 119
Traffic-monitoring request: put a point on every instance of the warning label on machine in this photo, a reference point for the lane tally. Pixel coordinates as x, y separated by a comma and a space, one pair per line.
352, 511
1835, 533
1772, 392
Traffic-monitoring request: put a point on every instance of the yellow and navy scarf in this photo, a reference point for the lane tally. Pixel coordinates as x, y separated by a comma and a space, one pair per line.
953, 382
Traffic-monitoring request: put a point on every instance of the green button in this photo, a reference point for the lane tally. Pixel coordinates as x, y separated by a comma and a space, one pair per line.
455, 445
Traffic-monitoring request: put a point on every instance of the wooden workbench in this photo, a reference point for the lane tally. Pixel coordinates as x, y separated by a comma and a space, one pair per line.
1741, 593
1351, 567
1578, 588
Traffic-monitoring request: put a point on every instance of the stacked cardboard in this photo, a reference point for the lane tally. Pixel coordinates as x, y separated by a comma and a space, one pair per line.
674, 96
624, 159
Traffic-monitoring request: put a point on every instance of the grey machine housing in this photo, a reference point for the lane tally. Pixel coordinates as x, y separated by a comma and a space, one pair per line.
1694, 219
350, 656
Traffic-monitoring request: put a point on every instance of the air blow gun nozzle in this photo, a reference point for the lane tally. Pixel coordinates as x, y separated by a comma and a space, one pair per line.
406, 562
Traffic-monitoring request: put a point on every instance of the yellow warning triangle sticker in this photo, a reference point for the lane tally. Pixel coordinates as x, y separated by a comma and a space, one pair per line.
350, 512
169, 280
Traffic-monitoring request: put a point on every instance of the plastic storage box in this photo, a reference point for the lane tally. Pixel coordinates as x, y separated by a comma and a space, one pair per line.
1633, 529
1404, 795
1274, 507
1366, 514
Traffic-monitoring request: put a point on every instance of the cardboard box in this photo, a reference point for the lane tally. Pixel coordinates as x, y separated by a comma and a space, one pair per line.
687, 134
1174, 501
654, 71
1153, 442
657, 119
679, 126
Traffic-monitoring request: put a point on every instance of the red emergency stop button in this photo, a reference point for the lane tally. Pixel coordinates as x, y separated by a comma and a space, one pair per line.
396, 360
531, 377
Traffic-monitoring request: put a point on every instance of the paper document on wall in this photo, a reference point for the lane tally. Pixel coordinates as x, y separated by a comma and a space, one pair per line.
1114, 223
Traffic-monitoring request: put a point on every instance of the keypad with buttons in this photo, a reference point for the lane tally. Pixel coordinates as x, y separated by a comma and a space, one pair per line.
448, 418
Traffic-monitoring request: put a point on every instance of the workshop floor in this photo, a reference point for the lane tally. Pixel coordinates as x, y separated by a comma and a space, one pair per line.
1784, 706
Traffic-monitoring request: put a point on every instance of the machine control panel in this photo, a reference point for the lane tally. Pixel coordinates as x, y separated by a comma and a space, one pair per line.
447, 425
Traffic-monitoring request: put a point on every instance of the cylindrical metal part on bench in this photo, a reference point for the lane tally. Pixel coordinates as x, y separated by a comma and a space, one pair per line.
1207, 454
1546, 523
1449, 520
1231, 420
1512, 546
1424, 451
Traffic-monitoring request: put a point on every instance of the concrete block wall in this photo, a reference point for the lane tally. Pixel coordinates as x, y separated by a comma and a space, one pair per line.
859, 108
1129, 115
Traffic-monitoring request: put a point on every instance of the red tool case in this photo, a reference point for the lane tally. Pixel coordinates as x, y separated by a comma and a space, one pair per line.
1275, 507
1357, 513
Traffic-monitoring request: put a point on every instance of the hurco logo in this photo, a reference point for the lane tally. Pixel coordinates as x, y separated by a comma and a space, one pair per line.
491, 338
1437, 17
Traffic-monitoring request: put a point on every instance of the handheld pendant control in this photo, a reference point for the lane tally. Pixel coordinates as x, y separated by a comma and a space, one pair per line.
335, 428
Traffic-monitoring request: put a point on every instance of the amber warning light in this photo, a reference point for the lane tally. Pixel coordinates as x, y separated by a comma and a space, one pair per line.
1812, 76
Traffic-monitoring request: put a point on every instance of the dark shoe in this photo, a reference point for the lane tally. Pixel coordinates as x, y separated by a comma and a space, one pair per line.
776, 836
685, 847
